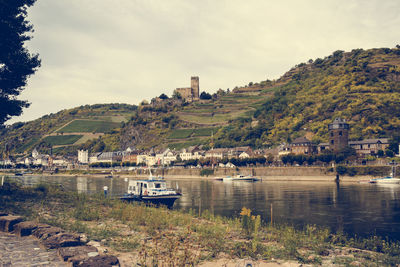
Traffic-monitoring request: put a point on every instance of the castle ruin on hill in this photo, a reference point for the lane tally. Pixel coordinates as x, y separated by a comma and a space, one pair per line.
190, 93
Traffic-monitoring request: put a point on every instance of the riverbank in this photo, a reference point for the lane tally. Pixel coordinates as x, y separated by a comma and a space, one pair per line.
144, 235
298, 173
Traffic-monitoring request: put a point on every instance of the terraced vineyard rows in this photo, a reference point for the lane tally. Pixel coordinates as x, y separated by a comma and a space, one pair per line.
222, 110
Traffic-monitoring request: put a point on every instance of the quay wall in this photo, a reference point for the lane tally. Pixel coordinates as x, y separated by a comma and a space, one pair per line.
259, 171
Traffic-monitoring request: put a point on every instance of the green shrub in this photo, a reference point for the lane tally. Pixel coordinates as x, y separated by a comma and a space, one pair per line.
206, 172
341, 170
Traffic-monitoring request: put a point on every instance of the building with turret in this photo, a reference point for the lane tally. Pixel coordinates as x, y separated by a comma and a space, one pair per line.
338, 140
338, 134
190, 93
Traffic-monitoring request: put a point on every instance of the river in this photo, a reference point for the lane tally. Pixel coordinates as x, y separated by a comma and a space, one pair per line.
356, 209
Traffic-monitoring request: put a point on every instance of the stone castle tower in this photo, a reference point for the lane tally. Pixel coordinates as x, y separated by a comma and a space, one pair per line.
191, 93
338, 134
195, 87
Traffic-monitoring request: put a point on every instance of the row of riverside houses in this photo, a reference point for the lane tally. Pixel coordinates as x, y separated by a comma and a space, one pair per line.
338, 139
42, 160
167, 156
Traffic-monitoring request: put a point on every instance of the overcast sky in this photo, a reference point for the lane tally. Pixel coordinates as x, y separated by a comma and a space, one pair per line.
105, 51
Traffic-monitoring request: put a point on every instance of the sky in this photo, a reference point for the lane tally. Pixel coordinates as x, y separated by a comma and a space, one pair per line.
125, 51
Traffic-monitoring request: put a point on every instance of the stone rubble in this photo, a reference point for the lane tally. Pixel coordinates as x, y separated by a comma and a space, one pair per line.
51, 247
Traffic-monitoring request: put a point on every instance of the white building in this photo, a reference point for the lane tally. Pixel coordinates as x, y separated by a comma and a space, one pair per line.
244, 155
165, 158
83, 156
60, 162
142, 158
42, 160
217, 153
151, 160
28, 161
93, 157
185, 154
35, 153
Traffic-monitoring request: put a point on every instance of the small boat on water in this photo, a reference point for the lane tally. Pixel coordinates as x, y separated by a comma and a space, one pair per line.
153, 191
240, 177
111, 175
385, 180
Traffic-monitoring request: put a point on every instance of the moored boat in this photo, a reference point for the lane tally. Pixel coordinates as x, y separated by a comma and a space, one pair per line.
153, 191
240, 177
385, 180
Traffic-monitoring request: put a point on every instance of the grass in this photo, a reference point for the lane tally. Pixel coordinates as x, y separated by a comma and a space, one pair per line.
27, 145
62, 139
181, 145
89, 126
186, 133
85, 138
162, 237
180, 134
208, 111
204, 131
216, 119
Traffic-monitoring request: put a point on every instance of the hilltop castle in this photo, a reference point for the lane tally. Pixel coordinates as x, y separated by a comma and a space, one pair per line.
190, 93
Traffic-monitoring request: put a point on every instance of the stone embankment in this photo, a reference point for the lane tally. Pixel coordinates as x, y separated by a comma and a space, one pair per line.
27, 243
263, 172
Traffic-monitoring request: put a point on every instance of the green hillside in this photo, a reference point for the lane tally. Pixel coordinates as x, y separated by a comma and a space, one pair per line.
23, 137
89, 126
361, 86
58, 140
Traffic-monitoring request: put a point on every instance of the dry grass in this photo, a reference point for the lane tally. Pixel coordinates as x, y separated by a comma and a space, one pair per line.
152, 236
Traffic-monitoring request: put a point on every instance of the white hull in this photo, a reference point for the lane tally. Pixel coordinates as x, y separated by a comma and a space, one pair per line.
239, 178
385, 180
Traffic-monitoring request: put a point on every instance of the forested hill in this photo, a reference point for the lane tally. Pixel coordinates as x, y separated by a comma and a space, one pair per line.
361, 86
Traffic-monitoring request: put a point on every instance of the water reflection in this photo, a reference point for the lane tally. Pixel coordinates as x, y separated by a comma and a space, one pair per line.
361, 209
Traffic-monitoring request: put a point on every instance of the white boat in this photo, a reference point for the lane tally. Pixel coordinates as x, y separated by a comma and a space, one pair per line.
385, 180
240, 177
152, 191
153, 177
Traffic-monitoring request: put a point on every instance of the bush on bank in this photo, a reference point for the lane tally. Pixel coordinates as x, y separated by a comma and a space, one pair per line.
363, 170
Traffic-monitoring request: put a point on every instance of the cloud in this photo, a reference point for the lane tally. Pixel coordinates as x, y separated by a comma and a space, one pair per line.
125, 51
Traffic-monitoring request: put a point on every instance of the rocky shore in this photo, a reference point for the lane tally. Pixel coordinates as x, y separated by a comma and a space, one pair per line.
28, 243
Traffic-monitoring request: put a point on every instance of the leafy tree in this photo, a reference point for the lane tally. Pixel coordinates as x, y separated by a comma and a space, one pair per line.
394, 143
341, 169
205, 95
16, 63
381, 153
99, 146
389, 153
176, 95
163, 96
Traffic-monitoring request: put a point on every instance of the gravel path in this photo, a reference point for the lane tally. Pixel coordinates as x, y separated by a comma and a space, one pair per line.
25, 251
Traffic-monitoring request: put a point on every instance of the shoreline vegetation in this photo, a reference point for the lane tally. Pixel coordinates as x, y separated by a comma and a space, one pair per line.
147, 236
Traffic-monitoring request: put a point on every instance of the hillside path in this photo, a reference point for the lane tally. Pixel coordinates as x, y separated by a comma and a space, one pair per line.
25, 251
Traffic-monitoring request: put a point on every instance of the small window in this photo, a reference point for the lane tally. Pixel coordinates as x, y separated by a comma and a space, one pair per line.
157, 185
340, 133
145, 185
332, 142
332, 134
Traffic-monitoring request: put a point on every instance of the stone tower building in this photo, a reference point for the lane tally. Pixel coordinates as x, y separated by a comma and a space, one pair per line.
190, 93
338, 134
195, 87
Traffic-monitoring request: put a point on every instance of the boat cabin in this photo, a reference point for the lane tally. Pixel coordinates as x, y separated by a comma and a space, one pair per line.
149, 188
